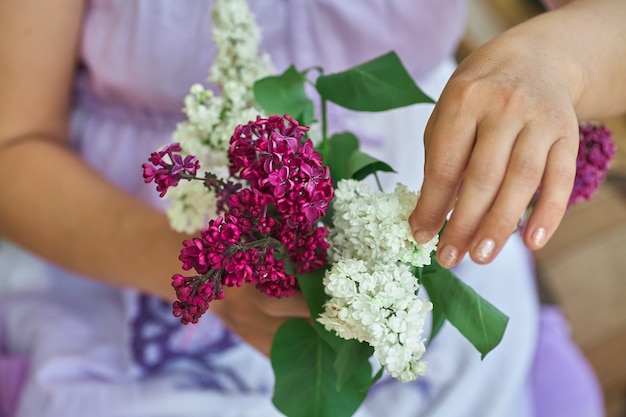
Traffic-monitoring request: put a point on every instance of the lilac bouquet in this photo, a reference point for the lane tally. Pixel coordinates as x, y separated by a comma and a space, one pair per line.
279, 207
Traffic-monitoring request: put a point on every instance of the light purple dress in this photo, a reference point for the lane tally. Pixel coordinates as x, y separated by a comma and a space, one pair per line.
70, 347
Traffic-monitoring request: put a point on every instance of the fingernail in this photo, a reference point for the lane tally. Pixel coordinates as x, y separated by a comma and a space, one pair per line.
539, 237
422, 237
448, 256
485, 249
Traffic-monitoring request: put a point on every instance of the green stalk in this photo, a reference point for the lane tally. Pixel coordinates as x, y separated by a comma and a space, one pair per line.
325, 143
380, 186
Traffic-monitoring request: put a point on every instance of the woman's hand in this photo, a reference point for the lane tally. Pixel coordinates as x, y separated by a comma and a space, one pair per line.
255, 317
504, 126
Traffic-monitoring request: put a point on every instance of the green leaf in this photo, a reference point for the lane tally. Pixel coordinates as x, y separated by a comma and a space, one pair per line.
306, 378
285, 94
438, 319
340, 147
377, 85
477, 319
312, 287
438, 315
377, 377
360, 165
351, 356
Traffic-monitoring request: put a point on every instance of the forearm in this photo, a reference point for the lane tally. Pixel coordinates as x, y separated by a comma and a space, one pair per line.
588, 37
59, 208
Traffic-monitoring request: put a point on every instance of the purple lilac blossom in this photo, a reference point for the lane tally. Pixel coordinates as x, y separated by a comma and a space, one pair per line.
167, 167
266, 225
595, 152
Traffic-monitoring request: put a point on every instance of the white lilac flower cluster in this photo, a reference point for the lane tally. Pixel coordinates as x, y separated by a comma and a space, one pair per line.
373, 294
373, 225
212, 118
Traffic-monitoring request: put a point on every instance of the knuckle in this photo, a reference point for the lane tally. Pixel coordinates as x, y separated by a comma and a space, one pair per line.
553, 208
508, 92
460, 231
459, 83
483, 177
443, 174
516, 97
567, 124
569, 143
549, 213
564, 176
526, 169
500, 222
466, 88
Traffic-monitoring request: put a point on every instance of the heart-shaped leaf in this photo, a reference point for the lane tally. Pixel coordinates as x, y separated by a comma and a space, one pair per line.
360, 165
377, 85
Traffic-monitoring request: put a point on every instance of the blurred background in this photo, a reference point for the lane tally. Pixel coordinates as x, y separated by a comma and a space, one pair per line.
583, 268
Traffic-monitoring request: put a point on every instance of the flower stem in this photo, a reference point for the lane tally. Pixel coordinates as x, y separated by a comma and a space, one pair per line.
325, 144
186, 176
267, 241
380, 187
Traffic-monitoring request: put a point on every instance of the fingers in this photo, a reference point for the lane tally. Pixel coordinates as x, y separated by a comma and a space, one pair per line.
503, 174
255, 317
271, 313
556, 188
288, 307
483, 180
523, 176
495, 135
447, 153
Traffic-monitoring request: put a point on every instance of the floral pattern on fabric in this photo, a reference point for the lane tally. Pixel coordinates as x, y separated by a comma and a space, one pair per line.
161, 344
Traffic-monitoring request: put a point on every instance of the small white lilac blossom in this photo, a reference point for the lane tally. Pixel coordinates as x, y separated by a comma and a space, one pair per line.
377, 303
212, 118
237, 38
373, 225
191, 206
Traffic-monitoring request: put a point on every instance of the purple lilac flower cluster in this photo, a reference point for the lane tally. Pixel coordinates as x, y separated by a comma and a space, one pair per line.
167, 167
595, 152
271, 155
269, 230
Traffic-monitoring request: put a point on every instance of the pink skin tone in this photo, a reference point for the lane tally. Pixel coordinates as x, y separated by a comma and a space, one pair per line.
507, 123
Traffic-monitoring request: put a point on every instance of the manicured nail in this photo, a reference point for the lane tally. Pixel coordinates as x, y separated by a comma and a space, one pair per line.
422, 237
484, 250
448, 256
539, 237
